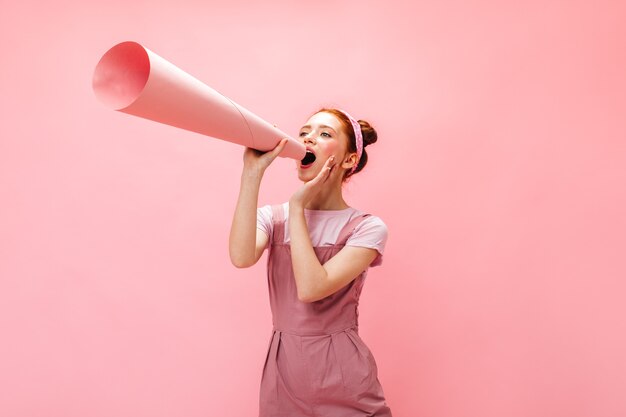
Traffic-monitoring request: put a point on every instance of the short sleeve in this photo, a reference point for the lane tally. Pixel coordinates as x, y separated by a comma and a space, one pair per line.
370, 233
264, 219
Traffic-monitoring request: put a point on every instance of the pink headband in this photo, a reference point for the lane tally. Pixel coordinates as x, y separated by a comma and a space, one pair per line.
358, 135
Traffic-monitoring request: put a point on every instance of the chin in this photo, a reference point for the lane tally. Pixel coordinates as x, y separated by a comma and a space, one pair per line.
306, 175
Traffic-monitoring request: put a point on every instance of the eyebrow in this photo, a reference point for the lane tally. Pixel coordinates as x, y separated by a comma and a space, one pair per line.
322, 126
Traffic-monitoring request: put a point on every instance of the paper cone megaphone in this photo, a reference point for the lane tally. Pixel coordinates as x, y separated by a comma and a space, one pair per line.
134, 80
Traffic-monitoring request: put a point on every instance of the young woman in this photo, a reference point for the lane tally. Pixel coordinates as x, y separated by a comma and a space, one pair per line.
319, 251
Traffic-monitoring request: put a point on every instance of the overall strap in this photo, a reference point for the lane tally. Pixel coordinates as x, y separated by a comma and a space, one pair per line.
349, 228
278, 220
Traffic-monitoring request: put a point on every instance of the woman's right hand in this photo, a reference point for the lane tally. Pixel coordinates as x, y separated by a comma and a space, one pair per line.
258, 161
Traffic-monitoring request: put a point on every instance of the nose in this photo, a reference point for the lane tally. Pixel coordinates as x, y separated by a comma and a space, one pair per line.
308, 139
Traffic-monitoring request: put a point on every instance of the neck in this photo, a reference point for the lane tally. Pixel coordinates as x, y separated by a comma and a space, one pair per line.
329, 198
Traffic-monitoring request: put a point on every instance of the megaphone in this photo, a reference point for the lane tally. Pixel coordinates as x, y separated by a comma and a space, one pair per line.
132, 79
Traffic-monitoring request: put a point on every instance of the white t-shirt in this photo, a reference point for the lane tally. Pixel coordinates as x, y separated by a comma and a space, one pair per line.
325, 225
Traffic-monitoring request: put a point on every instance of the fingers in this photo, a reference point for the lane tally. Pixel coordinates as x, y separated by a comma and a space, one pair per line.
278, 149
324, 174
330, 167
330, 162
270, 155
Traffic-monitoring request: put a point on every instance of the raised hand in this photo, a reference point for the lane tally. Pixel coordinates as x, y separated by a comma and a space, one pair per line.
311, 188
258, 161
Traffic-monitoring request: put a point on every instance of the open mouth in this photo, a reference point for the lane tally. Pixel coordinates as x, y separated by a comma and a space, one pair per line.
308, 159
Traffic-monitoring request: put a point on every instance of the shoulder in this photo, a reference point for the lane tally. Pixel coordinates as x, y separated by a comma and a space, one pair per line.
371, 233
372, 223
371, 230
266, 212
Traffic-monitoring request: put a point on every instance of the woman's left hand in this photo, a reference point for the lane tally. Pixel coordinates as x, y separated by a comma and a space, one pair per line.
309, 190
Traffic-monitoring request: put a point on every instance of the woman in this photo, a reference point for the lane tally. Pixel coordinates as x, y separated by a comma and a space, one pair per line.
319, 251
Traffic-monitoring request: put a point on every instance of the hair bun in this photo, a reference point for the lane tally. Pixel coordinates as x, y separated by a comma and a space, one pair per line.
369, 133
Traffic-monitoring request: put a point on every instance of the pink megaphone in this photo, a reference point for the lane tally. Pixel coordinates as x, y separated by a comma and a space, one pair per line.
134, 80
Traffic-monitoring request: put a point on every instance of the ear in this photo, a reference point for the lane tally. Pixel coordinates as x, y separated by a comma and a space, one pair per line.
349, 161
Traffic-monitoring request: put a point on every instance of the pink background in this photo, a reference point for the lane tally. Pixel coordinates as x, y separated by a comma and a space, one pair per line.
500, 171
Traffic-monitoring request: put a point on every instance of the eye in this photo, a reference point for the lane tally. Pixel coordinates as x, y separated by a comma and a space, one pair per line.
326, 133
302, 133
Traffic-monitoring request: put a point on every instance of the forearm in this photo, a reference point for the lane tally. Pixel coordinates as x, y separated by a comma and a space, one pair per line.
308, 271
242, 240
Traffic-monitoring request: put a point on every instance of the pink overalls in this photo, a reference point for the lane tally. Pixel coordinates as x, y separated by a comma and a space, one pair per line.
316, 364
